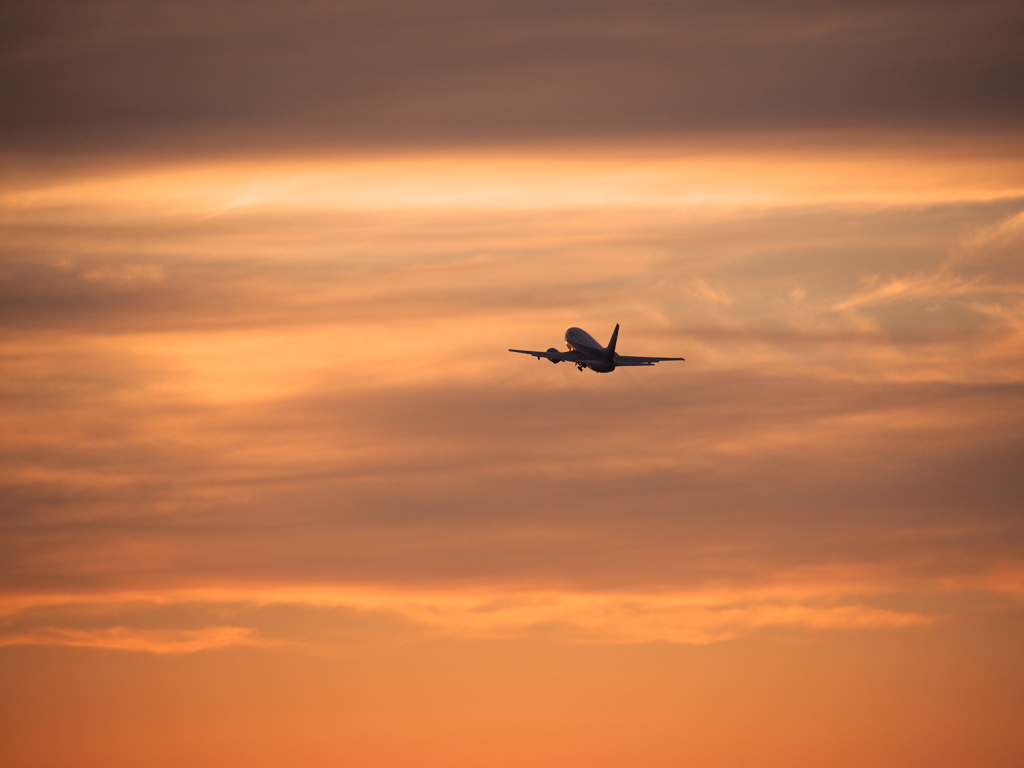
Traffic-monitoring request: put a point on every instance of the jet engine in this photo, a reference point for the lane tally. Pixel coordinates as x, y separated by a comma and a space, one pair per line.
553, 351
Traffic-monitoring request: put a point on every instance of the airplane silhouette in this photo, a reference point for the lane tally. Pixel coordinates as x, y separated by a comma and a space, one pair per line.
586, 352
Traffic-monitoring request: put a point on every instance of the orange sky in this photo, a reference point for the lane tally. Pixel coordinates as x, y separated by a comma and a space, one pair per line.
274, 492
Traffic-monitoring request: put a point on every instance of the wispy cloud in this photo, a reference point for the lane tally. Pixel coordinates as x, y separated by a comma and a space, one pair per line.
941, 285
840, 597
977, 284
625, 618
137, 640
691, 618
1009, 230
702, 291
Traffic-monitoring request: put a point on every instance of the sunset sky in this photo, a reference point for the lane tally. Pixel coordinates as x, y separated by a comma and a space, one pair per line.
274, 493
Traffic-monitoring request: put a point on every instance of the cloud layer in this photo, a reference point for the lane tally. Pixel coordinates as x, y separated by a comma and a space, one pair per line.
219, 76
272, 490
189, 390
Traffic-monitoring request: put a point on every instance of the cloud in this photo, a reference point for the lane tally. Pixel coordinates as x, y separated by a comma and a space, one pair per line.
264, 458
1008, 230
638, 618
131, 639
985, 264
91, 76
474, 613
124, 273
978, 284
231, 373
700, 290
942, 285
361, 405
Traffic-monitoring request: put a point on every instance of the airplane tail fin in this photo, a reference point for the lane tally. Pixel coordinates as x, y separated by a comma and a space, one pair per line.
612, 342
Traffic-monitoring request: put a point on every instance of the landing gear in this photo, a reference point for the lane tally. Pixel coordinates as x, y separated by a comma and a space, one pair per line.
579, 367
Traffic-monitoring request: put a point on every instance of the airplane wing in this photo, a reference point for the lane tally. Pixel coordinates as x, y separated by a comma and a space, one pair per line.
625, 360
553, 354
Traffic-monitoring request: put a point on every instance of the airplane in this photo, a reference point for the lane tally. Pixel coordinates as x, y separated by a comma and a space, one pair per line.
586, 352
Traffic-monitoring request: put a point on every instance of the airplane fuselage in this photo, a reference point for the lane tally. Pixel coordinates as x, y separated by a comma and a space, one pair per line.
598, 358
